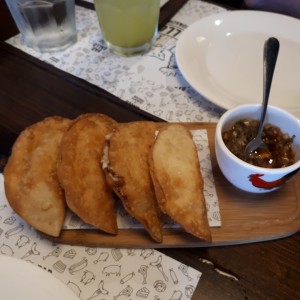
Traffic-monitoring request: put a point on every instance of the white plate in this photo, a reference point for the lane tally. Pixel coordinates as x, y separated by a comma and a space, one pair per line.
221, 57
21, 280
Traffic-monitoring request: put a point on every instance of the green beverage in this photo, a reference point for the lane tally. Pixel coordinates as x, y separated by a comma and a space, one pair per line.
129, 27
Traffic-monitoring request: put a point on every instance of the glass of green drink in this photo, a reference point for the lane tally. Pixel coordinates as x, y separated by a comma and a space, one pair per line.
129, 27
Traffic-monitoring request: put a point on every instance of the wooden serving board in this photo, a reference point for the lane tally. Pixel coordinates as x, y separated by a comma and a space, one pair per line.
246, 217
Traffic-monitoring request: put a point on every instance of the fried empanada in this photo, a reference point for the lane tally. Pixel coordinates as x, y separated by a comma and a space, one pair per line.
127, 170
30, 178
175, 170
80, 174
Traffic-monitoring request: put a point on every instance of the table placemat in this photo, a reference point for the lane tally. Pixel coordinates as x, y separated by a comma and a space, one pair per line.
97, 273
152, 81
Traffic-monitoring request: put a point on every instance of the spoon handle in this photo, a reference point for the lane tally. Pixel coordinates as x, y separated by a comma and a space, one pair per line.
271, 49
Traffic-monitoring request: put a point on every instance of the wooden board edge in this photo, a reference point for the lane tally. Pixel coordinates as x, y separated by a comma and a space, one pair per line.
135, 238
139, 239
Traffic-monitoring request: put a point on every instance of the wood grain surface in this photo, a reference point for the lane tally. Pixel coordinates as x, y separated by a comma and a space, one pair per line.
246, 217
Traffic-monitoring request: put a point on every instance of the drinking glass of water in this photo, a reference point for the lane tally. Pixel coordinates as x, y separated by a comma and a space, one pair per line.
45, 25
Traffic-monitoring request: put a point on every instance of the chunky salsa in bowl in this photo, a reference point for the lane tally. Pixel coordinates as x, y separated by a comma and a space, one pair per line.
255, 172
280, 144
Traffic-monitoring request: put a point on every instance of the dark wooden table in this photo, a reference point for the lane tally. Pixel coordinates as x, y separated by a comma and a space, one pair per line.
31, 90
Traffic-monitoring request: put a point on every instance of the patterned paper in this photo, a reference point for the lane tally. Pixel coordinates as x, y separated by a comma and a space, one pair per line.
151, 81
97, 273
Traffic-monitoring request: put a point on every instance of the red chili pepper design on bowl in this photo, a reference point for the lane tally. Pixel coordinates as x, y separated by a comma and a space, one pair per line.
258, 182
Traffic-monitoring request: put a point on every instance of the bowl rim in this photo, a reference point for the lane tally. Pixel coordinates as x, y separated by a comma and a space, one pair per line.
253, 168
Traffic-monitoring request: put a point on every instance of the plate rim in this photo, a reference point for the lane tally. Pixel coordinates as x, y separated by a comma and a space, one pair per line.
216, 97
29, 269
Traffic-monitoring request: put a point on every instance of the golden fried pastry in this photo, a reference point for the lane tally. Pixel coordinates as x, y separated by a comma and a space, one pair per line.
30, 178
175, 170
126, 166
80, 173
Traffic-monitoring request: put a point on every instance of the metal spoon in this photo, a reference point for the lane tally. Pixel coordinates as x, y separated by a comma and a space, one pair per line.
271, 49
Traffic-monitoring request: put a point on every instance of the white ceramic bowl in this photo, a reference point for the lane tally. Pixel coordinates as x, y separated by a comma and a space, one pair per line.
246, 176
